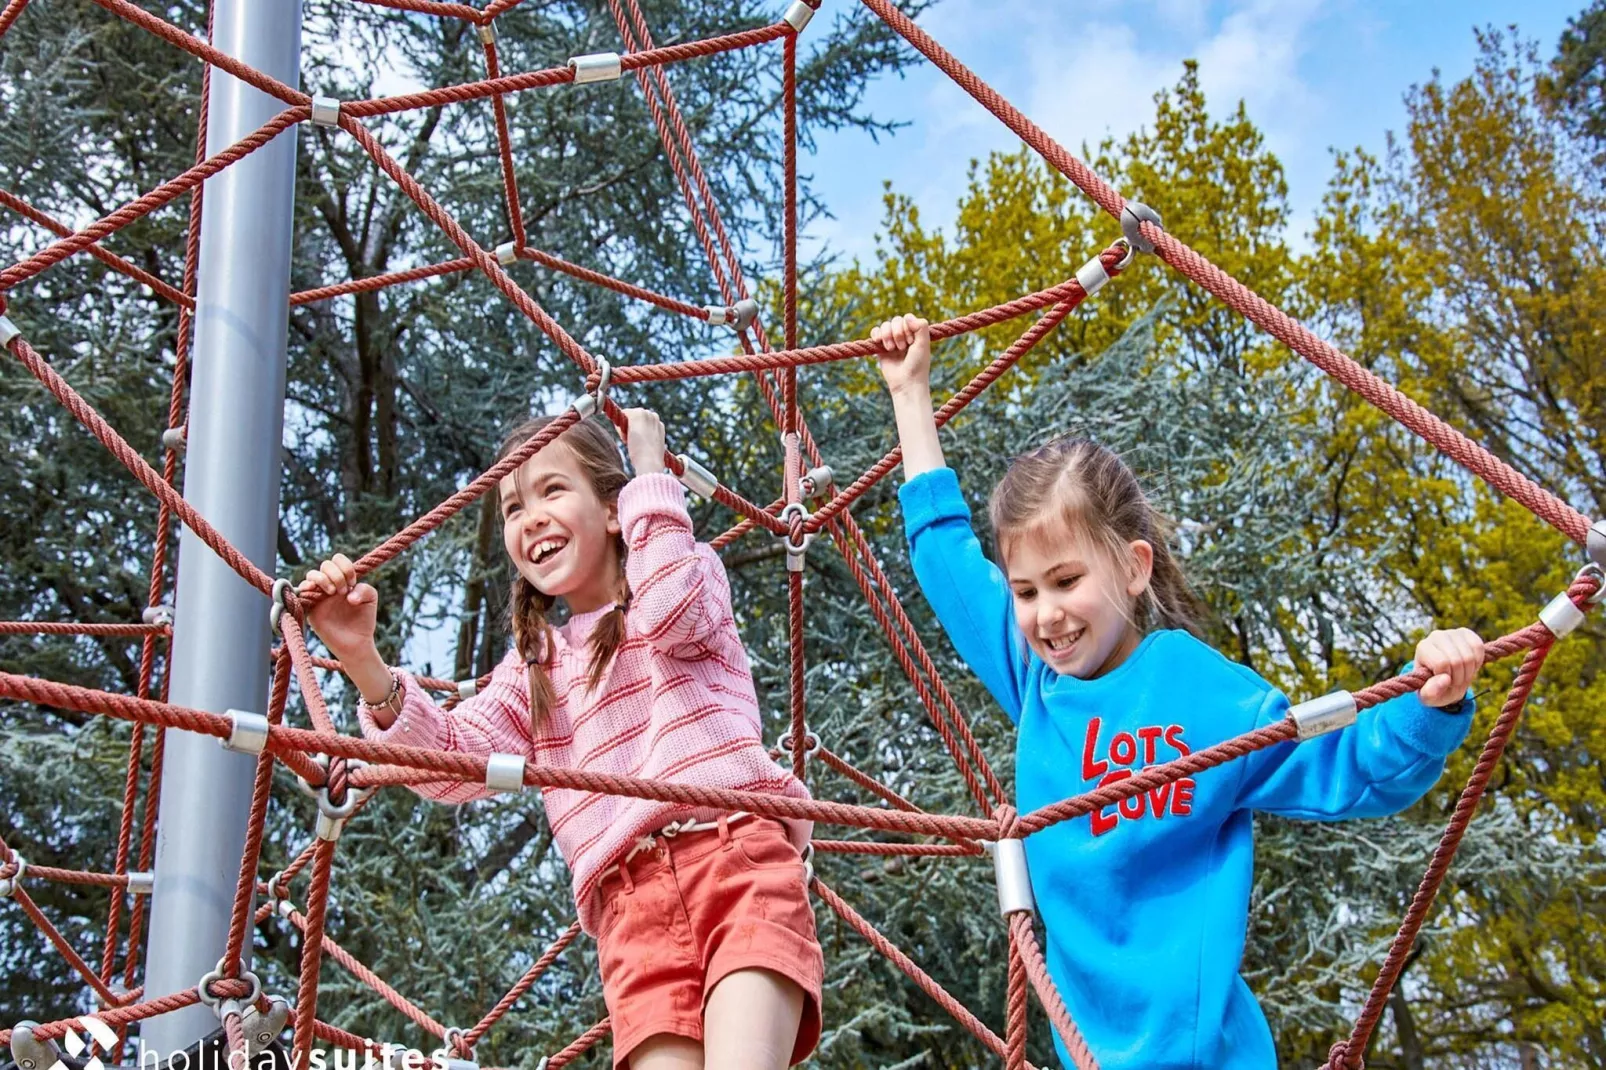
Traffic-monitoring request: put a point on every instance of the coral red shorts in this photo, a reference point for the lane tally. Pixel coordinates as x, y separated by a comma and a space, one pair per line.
678, 918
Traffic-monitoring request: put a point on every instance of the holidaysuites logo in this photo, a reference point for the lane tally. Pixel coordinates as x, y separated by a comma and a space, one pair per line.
101, 1035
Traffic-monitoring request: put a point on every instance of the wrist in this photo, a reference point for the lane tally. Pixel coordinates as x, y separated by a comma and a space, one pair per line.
911, 391
368, 671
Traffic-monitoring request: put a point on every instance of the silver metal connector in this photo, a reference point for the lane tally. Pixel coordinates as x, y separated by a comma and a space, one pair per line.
696, 478
1318, 716
504, 772
325, 111
798, 15
1009, 871
596, 67
248, 734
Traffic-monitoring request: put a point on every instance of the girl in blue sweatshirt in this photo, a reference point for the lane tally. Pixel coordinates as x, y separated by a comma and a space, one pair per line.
1083, 633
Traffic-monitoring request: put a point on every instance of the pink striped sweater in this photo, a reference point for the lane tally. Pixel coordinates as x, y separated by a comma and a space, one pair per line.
677, 702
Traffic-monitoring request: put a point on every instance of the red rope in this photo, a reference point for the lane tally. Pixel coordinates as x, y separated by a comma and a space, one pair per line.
167, 191
67, 627
111, 260
580, 1045
9, 15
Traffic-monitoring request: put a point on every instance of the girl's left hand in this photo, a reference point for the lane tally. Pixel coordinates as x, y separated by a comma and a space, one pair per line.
1454, 657
644, 439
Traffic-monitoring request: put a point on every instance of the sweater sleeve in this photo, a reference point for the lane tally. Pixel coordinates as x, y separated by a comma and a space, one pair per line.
967, 591
495, 721
680, 598
1384, 762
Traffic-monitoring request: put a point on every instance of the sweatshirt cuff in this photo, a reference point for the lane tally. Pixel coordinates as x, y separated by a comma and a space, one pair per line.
417, 725
655, 493
930, 497
1433, 730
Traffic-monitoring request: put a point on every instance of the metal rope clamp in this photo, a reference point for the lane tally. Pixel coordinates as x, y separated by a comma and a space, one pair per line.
1009, 872
811, 743
1319, 716
1133, 216
9, 886
223, 1006
596, 67
332, 818
504, 772
1562, 616
795, 550
263, 1027
325, 111
281, 587
248, 733
159, 615
798, 15
696, 478
8, 331
593, 401
31, 1053
450, 1045
1595, 543
467, 689
815, 480
1092, 275
175, 439
740, 316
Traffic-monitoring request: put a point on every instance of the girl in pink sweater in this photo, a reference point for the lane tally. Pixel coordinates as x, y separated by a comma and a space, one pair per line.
704, 928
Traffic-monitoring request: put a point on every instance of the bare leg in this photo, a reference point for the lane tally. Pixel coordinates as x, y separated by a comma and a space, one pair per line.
751, 1021
666, 1051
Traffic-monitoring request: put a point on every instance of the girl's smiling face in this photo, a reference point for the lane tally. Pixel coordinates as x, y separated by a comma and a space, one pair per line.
1074, 602
562, 537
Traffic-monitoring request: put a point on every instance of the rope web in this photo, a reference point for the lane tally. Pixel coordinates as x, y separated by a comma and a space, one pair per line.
343, 772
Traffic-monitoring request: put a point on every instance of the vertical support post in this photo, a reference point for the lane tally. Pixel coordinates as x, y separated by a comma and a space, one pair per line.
231, 475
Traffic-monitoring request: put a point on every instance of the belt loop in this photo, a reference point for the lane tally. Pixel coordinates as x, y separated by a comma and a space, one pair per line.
724, 832
624, 877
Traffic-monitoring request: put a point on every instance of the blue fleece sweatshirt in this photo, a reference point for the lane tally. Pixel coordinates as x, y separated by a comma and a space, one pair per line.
1146, 904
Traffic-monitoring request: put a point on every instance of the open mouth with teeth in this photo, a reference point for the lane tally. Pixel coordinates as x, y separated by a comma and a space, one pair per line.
543, 551
1059, 644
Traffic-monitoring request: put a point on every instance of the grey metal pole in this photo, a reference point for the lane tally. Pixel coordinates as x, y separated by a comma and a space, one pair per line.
231, 475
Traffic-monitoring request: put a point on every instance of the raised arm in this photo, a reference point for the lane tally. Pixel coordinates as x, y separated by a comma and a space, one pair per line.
679, 594
906, 366
968, 592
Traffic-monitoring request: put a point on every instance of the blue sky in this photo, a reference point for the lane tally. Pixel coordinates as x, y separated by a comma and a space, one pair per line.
1314, 75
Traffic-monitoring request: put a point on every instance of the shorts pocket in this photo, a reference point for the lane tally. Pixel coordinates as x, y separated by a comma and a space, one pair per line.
769, 849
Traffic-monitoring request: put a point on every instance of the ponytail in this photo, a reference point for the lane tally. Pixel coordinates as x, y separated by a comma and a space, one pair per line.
606, 638
532, 637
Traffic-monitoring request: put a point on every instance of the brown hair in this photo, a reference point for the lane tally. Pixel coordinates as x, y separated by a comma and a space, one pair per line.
594, 447
1084, 486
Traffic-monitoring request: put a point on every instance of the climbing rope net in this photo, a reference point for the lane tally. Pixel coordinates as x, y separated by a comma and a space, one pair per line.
342, 772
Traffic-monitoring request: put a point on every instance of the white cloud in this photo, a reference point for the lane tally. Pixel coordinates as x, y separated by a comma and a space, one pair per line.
1082, 73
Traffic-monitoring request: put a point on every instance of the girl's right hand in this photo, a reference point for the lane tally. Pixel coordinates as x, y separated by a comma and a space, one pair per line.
906, 360
346, 617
